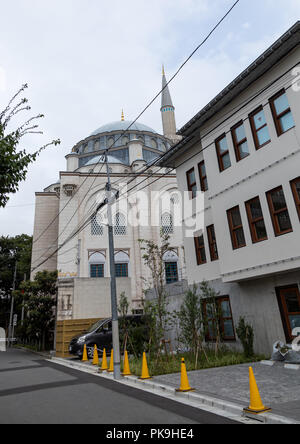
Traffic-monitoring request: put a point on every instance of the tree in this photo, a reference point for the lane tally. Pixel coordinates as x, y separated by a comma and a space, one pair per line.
245, 333
14, 164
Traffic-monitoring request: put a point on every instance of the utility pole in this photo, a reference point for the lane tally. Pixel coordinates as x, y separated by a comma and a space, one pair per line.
78, 257
113, 289
10, 328
23, 309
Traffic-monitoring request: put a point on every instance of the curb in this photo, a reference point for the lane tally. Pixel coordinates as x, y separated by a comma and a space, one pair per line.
220, 407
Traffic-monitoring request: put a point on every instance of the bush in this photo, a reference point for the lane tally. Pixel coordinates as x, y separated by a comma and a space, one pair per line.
245, 334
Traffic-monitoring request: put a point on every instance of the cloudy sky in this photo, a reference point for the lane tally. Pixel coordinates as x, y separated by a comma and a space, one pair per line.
86, 60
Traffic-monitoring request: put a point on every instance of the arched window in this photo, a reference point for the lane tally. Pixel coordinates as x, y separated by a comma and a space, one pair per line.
110, 142
97, 265
171, 267
120, 225
97, 145
167, 223
154, 144
125, 140
122, 264
96, 227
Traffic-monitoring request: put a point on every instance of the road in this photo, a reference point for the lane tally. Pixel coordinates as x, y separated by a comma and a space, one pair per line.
35, 391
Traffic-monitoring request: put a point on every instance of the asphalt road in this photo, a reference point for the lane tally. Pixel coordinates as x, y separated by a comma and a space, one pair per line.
34, 391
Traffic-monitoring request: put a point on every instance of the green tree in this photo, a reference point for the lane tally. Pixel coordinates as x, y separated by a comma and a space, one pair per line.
13, 163
245, 334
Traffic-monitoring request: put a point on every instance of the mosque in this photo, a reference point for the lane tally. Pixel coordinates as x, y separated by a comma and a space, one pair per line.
83, 261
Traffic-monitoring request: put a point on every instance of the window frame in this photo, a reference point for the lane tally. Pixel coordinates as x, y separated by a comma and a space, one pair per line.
166, 263
295, 194
233, 228
274, 213
213, 247
277, 117
101, 266
126, 267
221, 155
237, 144
219, 301
198, 248
191, 185
280, 291
203, 178
255, 130
253, 221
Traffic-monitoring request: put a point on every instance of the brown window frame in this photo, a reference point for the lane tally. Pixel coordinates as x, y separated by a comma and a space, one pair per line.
213, 248
219, 301
203, 178
191, 185
280, 291
233, 228
274, 212
295, 194
199, 247
237, 144
255, 130
277, 117
221, 155
253, 221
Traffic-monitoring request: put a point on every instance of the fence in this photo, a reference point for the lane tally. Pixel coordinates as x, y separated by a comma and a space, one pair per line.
66, 330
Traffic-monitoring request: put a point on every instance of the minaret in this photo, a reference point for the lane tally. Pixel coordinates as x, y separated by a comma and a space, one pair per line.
168, 112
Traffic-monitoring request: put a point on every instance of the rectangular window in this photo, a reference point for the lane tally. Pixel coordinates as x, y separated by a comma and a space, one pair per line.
200, 250
240, 141
121, 270
259, 128
171, 272
218, 317
191, 183
256, 220
295, 184
289, 303
223, 153
279, 212
236, 228
203, 176
214, 256
97, 270
282, 114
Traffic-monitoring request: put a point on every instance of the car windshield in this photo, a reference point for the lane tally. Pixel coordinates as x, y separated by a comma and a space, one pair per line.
95, 326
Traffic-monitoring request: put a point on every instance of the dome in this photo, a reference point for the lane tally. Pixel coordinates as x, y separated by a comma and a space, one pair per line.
122, 126
100, 159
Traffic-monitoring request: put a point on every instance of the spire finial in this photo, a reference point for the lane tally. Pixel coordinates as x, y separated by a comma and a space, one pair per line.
163, 70
122, 116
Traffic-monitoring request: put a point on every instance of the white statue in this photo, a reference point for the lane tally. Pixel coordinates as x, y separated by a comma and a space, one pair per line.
2, 340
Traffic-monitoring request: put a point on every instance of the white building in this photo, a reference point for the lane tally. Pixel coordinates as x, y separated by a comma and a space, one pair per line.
83, 263
243, 151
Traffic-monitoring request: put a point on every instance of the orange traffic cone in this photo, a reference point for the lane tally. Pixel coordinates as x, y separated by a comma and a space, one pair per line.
104, 361
256, 405
126, 371
184, 386
84, 356
111, 364
96, 356
145, 371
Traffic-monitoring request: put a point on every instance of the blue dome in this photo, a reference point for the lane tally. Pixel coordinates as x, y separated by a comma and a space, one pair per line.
122, 126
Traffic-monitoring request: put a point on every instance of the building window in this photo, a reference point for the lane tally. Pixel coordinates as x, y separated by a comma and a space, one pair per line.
191, 183
110, 142
295, 184
223, 153
171, 272
218, 318
259, 128
167, 223
213, 249
125, 140
97, 270
236, 228
289, 304
154, 144
120, 225
96, 228
256, 220
203, 176
240, 141
282, 114
279, 212
200, 250
122, 270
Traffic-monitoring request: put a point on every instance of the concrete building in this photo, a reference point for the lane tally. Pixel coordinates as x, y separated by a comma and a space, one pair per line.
83, 262
242, 151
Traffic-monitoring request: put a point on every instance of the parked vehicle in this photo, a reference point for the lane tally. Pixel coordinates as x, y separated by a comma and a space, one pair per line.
100, 334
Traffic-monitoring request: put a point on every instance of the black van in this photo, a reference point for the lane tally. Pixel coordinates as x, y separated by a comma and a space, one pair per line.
100, 334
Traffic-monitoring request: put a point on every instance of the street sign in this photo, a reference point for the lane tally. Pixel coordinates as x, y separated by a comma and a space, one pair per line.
15, 321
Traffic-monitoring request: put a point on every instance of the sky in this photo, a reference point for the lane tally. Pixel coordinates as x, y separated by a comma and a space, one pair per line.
86, 61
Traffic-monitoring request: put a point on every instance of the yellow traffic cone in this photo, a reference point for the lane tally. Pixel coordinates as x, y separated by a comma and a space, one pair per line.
184, 386
111, 364
104, 361
96, 356
145, 371
84, 356
126, 371
256, 405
